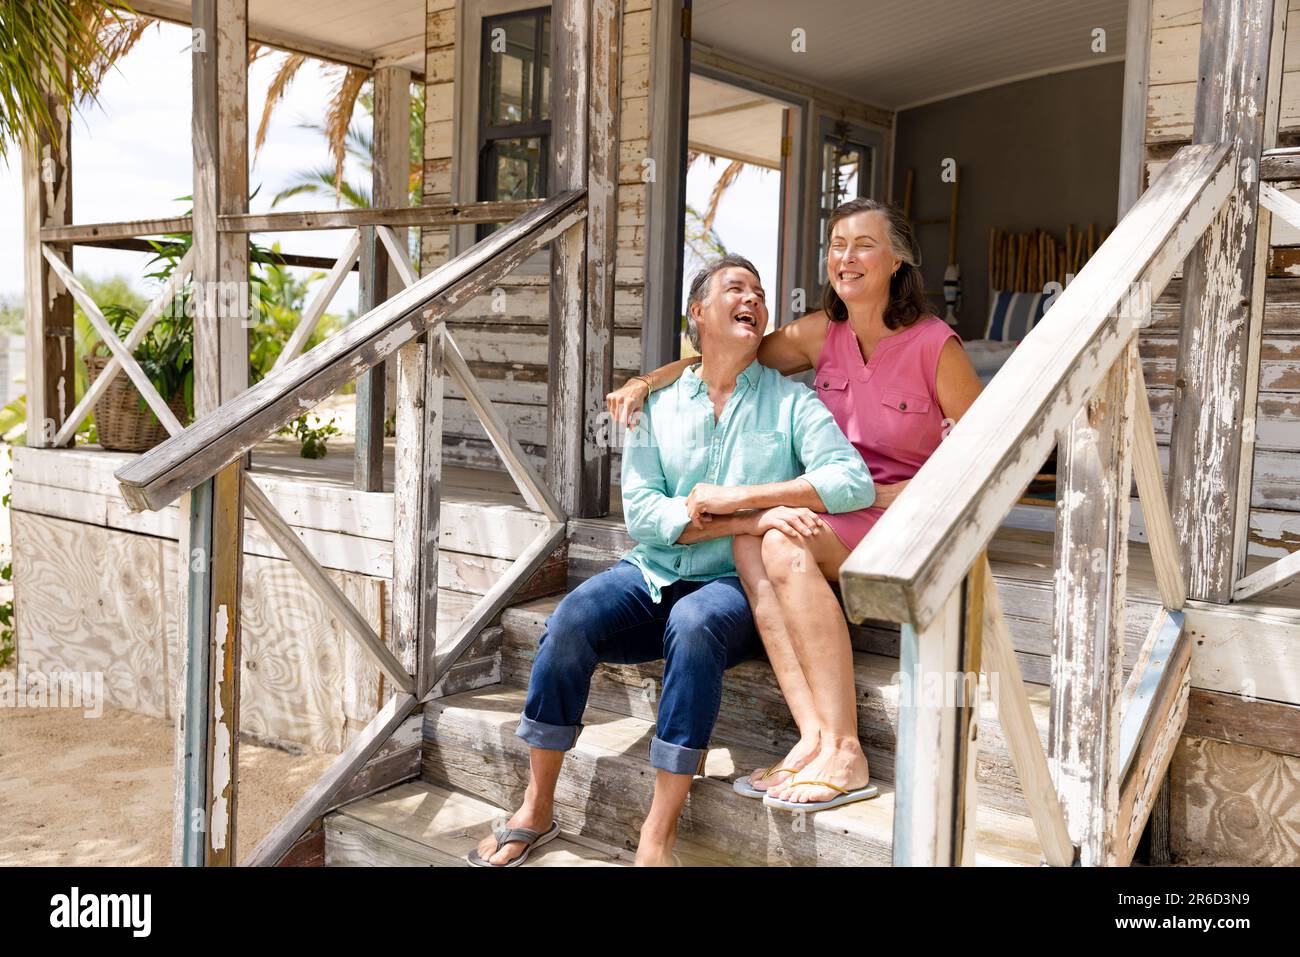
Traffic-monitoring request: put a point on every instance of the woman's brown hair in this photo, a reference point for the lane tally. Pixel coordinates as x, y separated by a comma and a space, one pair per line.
906, 286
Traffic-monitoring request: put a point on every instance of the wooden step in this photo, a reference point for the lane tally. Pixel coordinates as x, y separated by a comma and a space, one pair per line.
604, 791
1022, 562
418, 824
754, 713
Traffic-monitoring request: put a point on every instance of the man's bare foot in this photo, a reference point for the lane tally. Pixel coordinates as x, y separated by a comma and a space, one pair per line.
803, 752
841, 762
530, 816
655, 853
655, 847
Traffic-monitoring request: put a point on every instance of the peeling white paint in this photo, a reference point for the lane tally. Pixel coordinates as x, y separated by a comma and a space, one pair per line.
220, 818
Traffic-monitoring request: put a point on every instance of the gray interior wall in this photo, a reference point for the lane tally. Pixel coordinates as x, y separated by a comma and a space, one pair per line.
1037, 153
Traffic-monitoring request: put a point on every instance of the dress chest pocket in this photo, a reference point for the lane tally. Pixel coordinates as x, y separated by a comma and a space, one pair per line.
903, 421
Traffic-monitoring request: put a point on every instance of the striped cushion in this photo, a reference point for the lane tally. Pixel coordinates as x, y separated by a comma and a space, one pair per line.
1013, 314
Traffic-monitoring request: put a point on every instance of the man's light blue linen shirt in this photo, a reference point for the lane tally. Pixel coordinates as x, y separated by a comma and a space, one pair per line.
772, 429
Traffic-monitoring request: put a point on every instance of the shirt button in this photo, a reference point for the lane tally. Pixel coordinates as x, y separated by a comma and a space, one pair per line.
902, 406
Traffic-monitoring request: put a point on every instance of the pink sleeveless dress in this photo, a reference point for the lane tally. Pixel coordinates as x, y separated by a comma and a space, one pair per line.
886, 407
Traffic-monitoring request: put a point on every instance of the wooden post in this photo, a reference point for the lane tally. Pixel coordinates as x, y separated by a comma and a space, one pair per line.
1132, 144
220, 139
380, 278
934, 798
47, 201
417, 485
368, 461
670, 64
1091, 570
1216, 383
570, 33
602, 247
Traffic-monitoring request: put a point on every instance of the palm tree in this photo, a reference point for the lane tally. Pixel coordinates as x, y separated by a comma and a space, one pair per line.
37, 38
358, 144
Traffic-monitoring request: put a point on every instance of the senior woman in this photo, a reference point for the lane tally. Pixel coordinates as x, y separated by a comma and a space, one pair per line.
896, 378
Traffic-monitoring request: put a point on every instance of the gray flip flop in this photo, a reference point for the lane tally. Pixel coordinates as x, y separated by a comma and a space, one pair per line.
506, 835
742, 786
844, 797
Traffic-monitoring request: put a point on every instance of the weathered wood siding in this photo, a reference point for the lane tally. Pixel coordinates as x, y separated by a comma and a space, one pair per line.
503, 334
1171, 102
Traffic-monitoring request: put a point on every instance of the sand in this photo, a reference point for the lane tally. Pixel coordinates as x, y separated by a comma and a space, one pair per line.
98, 791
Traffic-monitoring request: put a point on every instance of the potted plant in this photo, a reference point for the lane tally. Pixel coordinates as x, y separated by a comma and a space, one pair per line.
123, 420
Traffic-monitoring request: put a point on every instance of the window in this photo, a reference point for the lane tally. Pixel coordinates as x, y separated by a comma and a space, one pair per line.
515, 114
846, 174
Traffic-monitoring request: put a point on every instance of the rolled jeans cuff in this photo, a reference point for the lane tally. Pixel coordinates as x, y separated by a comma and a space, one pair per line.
551, 737
676, 759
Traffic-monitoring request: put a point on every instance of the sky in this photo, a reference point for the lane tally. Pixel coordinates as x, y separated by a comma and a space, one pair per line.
131, 160
748, 219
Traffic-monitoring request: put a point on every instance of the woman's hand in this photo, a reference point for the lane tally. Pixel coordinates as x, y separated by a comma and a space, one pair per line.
627, 400
795, 522
885, 494
706, 500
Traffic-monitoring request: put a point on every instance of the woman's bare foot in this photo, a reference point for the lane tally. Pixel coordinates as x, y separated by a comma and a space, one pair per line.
529, 815
803, 752
839, 761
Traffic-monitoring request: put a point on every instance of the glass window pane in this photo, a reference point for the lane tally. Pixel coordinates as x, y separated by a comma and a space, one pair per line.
546, 66
514, 169
511, 61
846, 174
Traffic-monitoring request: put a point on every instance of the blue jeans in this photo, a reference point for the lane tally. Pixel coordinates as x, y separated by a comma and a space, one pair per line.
699, 628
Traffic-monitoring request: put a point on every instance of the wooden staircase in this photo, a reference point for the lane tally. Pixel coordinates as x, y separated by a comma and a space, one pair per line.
475, 768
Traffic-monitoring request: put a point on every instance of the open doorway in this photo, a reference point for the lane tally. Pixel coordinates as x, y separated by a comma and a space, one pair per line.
739, 175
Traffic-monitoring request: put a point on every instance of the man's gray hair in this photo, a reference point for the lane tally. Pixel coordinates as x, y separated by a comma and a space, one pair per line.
700, 285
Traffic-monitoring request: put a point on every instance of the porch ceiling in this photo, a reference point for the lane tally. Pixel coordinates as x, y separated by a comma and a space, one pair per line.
901, 53
734, 123
361, 32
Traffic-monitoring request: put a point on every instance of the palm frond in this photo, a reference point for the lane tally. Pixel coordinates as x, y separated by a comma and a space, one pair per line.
54, 42
322, 182
289, 67
719, 190
338, 117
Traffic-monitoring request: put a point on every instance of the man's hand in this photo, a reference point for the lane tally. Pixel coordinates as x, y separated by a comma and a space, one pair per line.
627, 400
795, 522
706, 500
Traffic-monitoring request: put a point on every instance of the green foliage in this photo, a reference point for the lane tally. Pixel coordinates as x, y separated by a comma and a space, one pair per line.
7, 644
313, 438
36, 37
279, 298
11, 315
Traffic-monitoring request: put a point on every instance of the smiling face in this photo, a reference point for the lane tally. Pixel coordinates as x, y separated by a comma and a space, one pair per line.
860, 260
734, 314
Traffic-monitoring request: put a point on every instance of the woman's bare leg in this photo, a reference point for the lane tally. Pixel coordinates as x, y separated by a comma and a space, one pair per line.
770, 622
798, 570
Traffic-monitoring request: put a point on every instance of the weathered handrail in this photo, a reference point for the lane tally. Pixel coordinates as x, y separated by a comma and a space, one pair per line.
929, 538
161, 475
399, 217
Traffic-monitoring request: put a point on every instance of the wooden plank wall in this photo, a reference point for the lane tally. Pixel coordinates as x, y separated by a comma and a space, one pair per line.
1232, 801
504, 336
1171, 101
100, 599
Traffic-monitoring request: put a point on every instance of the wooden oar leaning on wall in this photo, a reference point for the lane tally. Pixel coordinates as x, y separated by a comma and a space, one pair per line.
1026, 262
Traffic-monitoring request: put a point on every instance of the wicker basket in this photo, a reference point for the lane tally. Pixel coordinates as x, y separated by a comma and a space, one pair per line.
120, 422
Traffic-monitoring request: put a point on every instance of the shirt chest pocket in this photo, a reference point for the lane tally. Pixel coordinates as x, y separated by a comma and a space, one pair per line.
760, 455
904, 421
831, 389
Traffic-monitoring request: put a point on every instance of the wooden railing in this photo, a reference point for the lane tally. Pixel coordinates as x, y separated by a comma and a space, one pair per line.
1074, 381
204, 461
